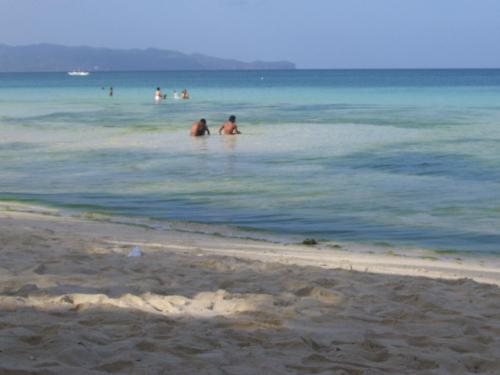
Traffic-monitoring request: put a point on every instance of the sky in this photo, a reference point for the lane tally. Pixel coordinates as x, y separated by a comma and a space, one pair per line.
311, 33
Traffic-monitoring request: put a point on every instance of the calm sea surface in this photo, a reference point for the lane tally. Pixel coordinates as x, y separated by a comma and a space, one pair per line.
405, 157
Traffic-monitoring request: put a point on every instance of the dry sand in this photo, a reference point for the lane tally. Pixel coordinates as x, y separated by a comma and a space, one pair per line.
72, 302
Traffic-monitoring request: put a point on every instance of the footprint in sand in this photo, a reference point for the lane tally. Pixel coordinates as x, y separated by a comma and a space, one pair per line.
319, 294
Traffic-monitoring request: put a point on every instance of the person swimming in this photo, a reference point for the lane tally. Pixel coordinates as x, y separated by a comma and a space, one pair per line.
111, 91
230, 127
199, 128
185, 94
158, 95
175, 94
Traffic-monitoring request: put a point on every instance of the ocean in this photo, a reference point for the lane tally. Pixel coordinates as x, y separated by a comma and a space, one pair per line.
397, 157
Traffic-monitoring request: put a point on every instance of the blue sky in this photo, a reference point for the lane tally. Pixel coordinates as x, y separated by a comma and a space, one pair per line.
311, 33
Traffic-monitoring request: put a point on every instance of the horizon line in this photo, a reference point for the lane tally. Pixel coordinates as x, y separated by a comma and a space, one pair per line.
252, 70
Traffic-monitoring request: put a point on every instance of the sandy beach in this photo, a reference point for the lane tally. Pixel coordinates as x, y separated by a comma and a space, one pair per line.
73, 302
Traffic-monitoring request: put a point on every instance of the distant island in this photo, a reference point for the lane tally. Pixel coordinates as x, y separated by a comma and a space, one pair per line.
57, 58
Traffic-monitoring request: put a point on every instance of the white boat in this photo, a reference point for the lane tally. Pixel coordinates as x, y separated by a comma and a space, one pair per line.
78, 73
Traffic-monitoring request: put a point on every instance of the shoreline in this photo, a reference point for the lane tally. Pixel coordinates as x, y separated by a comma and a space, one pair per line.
272, 247
253, 234
72, 301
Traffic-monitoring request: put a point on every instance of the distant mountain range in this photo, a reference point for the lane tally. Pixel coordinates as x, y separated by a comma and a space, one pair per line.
56, 58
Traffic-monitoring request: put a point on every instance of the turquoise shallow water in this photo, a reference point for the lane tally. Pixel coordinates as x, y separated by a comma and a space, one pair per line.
405, 157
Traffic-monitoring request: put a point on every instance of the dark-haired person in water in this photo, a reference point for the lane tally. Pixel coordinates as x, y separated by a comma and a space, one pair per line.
230, 127
199, 128
158, 95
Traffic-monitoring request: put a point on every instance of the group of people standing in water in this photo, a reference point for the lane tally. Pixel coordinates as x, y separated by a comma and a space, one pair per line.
159, 96
200, 128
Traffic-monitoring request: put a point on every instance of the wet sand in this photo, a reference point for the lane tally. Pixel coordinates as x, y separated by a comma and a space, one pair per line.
73, 302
